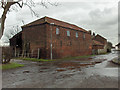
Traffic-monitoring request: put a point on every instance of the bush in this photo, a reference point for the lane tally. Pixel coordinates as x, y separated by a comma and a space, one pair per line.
6, 53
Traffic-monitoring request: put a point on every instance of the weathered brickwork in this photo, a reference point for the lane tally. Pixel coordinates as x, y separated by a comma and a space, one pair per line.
66, 46
35, 36
41, 33
100, 39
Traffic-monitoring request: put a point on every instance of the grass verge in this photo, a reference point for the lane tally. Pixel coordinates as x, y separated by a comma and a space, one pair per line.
78, 57
47, 60
34, 59
10, 66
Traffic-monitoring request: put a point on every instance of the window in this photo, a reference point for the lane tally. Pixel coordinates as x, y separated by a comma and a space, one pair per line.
57, 30
83, 35
68, 33
76, 34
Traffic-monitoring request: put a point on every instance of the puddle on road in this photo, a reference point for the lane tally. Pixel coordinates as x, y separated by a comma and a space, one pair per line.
44, 68
60, 70
72, 65
105, 68
112, 72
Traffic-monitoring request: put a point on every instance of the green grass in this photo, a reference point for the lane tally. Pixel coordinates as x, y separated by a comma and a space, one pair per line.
34, 59
78, 57
10, 66
47, 60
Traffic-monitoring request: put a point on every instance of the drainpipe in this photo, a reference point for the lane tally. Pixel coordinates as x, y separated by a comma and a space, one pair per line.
51, 57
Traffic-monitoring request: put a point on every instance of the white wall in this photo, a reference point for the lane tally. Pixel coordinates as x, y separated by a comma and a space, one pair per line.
102, 51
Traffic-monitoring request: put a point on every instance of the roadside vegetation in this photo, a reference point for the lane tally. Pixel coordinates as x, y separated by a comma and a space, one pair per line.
34, 59
47, 60
10, 66
78, 57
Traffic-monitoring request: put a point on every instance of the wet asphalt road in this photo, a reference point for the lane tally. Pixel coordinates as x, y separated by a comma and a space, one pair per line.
64, 74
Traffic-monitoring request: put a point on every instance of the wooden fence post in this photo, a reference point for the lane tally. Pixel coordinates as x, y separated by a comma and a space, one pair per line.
32, 52
15, 51
22, 53
38, 53
28, 55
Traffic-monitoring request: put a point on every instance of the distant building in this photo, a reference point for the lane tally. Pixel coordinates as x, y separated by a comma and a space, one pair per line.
99, 44
96, 47
48, 37
118, 46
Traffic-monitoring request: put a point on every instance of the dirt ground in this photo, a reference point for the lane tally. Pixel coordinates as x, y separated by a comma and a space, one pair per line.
93, 72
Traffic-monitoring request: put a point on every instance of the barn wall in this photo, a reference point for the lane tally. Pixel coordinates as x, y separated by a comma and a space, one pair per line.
67, 46
35, 38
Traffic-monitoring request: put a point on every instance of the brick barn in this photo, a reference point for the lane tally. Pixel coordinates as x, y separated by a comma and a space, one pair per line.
52, 38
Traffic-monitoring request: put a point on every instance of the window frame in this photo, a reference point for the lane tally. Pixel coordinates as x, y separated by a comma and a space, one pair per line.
57, 31
76, 34
68, 33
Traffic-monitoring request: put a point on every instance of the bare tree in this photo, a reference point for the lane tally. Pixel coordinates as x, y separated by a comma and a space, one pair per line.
12, 31
6, 5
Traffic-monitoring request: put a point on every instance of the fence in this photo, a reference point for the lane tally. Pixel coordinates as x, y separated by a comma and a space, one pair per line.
34, 53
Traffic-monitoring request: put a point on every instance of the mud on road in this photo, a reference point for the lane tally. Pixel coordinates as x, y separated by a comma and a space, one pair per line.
83, 73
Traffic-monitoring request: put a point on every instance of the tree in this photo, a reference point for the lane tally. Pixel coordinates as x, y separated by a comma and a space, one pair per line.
6, 5
109, 46
12, 31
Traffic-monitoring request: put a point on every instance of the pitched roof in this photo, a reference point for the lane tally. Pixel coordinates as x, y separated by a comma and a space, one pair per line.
16, 35
118, 44
100, 36
56, 22
97, 43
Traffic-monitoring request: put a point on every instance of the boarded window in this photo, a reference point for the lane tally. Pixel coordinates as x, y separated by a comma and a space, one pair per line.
76, 34
57, 30
68, 33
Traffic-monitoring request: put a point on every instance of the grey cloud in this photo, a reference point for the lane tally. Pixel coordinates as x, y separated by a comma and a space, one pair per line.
99, 17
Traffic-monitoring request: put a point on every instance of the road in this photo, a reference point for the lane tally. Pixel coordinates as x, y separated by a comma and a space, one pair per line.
83, 73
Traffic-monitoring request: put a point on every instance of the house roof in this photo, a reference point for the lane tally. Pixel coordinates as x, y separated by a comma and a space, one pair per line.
16, 35
118, 44
100, 36
56, 22
97, 43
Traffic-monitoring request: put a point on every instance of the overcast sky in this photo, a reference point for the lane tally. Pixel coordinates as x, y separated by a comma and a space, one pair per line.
99, 16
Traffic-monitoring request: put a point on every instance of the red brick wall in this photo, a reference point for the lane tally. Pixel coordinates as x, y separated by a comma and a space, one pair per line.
78, 46
98, 47
100, 39
40, 37
36, 36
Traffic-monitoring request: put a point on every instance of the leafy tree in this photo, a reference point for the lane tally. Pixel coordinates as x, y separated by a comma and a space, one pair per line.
109, 46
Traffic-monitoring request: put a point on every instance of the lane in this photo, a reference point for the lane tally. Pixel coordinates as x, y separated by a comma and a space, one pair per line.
45, 75
102, 75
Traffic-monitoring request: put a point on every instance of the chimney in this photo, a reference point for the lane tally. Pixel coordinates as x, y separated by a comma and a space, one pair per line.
93, 34
90, 32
